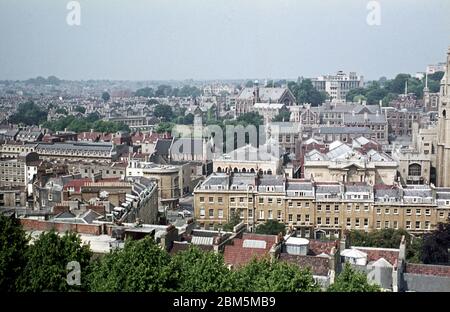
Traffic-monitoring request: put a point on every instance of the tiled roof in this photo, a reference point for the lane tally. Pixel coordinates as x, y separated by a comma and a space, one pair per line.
237, 255
318, 265
427, 269
316, 247
373, 254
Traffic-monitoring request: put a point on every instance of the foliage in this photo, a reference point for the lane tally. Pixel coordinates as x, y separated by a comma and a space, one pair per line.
251, 118
145, 92
92, 121
305, 92
284, 115
80, 109
13, 248
164, 127
436, 245
185, 91
271, 227
350, 280
140, 266
29, 114
47, 259
235, 219
61, 111
164, 112
385, 238
200, 271
264, 275
105, 96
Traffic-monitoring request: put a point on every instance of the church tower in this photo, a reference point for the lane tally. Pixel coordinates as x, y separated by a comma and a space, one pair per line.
443, 135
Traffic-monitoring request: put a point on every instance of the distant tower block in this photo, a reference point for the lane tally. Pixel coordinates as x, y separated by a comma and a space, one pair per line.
443, 148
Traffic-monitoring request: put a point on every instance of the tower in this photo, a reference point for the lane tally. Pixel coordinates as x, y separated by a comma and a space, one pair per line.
443, 129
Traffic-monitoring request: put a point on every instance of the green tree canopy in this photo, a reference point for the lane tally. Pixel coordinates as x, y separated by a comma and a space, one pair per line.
271, 227
140, 266
48, 256
350, 280
29, 114
164, 112
145, 92
105, 96
235, 219
264, 275
164, 127
284, 115
13, 248
436, 245
80, 109
305, 92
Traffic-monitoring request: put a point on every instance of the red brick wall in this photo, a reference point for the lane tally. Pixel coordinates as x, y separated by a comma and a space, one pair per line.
40, 225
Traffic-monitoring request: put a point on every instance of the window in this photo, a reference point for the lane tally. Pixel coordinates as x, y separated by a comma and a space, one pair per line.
417, 224
417, 212
378, 210
408, 211
299, 204
269, 214
250, 199
261, 200
250, 213
414, 170
307, 205
336, 220
395, 225
319, 220
299, 218
279, 201
319, 207
220, 200
349, 207
336, 208
211, 200
241, 213
428, 212
202, 199
270, 200
366, 222
290, 217
357, 208
211, 213
378, 224
241, 199
386, 224
327, 208
387, 211
349, 222
408, 225
427, 225
279, 215
261, 214
291, 204
220, 213
232, 199
202, 212
307, 218
396, 211
357, 222
441, 214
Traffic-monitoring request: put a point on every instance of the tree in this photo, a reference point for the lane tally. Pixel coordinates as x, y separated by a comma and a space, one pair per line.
164, 127
48, 256
29, 114
80, 109
271, 227
164, 112
266, 276
61, 111
305, 92
235, 219
284, 115
350, 280
200, 271
436, 245
140, 266
13, 248
163, 91
145, 92
251, 118
249, 84
105, 96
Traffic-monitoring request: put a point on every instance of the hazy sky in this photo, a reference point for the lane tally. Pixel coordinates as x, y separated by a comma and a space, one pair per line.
219, 39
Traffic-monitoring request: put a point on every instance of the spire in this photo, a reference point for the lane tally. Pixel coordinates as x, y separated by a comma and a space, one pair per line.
425, 89
406, 87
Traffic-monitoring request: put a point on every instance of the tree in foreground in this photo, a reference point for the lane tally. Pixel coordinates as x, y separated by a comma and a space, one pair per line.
140, 266
13, 247
47, 260
277, 276
202, 271
350, 280
436, 244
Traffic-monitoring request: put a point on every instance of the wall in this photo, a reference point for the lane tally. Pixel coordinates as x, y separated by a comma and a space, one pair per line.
38, 225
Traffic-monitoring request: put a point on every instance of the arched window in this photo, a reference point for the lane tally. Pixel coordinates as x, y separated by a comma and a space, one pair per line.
252, 170
244, 170
414, 170
444, 114
269, 172
235, 169
219, 169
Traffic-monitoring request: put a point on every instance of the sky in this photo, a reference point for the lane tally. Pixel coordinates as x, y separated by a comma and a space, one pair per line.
220, 39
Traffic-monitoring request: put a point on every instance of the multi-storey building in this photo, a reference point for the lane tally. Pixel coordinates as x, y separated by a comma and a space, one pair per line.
337, 86
318, 209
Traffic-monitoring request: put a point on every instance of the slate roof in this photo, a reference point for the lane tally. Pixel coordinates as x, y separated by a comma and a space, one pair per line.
317, 265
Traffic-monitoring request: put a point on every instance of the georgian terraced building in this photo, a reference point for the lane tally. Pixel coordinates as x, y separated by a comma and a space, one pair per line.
318, 208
